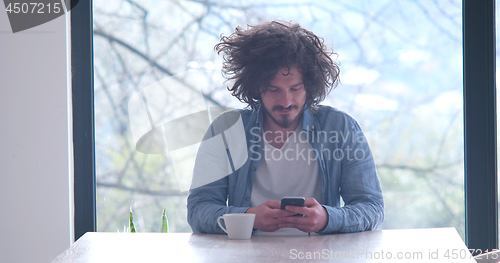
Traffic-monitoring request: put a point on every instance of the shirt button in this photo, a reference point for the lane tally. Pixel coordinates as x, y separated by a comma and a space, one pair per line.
253, 168
248, 198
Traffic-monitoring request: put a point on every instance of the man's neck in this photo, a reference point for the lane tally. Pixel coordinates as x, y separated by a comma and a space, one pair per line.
276, 135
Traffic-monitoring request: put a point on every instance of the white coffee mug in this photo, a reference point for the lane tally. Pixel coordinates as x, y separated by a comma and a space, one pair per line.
238, 226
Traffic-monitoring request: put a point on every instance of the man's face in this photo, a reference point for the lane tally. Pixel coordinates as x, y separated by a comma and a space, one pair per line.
284, 99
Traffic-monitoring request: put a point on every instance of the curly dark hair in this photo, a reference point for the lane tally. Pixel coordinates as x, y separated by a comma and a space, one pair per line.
252, 57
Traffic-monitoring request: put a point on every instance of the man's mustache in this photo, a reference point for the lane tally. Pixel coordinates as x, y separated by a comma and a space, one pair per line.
278, 107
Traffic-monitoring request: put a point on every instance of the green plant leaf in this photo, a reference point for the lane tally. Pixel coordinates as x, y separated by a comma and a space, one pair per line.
164, 222
131, 223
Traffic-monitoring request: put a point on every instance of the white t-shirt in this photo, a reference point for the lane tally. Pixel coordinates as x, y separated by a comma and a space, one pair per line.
287, 172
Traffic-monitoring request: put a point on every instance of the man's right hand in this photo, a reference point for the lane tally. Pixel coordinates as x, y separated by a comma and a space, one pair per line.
267, 214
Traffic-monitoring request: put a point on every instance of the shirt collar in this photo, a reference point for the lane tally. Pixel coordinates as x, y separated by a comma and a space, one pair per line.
308, 120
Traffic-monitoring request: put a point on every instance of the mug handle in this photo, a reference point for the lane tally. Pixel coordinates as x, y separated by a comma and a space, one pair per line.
218, 222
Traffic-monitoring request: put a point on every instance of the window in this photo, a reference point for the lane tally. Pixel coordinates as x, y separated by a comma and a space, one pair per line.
401, 78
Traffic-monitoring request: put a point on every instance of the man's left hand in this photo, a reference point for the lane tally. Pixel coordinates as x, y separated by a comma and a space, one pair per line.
315, 217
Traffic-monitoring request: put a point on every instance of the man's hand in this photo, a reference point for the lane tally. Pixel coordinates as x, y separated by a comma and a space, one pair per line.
315, 217
267, 215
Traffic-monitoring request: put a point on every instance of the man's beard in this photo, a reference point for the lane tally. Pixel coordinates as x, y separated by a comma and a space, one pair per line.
286, 123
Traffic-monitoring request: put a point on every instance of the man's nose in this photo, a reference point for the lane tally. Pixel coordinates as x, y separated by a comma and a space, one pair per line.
286, 99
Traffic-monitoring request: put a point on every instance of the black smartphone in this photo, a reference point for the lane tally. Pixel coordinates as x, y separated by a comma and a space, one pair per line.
296, 201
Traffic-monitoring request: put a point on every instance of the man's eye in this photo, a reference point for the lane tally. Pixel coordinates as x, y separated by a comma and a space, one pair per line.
272, 89
296, 88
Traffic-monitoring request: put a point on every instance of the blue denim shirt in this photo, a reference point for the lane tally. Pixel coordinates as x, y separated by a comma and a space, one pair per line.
344, 160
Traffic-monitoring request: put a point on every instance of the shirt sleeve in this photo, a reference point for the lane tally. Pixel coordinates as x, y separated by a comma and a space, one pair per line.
359, 187
206, 204
207, 199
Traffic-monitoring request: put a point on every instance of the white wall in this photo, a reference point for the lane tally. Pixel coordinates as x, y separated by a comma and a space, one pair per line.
34, 186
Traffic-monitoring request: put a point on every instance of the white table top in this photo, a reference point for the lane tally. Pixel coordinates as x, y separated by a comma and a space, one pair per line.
402, 245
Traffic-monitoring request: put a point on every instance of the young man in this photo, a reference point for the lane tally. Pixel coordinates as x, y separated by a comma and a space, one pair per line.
292, 145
